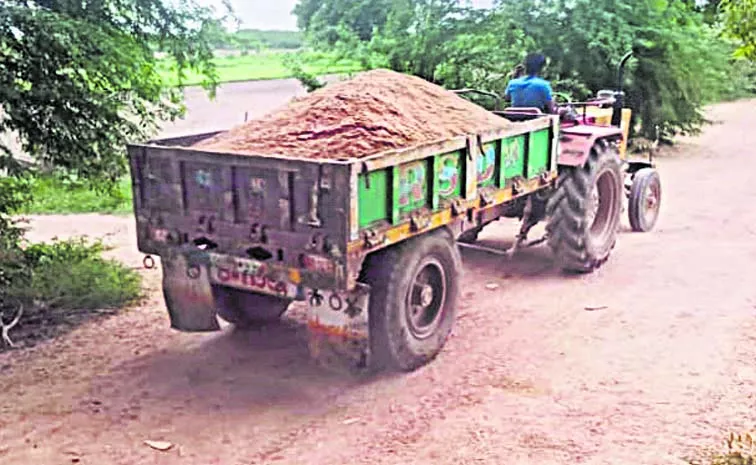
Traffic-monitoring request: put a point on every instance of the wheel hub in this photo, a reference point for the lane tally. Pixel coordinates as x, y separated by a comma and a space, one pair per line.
651, 203
424, 295
426, 299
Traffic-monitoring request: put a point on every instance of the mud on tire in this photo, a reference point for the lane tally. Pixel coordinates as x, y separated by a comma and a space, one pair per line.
413, 300
584, 211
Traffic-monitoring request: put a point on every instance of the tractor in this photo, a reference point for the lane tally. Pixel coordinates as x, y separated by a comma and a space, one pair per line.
583, 127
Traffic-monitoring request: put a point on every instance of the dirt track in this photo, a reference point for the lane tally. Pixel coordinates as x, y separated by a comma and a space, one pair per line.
529, 375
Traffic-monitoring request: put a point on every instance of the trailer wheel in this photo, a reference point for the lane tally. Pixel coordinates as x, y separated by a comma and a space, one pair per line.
247, 309
413, 300
645, 200
584, 211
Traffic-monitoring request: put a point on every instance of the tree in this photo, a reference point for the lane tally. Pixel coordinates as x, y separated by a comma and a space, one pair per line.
325, 20
78, 79
680, 64
740, 20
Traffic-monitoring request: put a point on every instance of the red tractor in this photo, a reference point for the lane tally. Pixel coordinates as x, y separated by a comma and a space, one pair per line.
584, 127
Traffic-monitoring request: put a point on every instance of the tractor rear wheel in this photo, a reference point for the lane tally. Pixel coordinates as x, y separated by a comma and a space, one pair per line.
645, 200
584, 211
413, 300
247, 309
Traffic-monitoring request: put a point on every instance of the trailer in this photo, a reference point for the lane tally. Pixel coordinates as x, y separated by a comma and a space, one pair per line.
369, 245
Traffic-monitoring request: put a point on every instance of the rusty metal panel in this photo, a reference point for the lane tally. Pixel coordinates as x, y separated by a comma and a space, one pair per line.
162, 183
263, 197
338, 326
205, 188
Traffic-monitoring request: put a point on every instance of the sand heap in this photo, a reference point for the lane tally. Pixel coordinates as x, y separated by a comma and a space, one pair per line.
376, 111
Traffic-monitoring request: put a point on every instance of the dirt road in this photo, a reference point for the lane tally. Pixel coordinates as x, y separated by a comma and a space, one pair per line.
234, 101
529, 375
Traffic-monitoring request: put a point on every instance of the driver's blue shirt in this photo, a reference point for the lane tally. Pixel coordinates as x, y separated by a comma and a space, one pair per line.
529, 91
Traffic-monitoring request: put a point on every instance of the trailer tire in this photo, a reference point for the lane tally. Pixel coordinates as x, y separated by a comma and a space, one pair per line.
248, 309
413, 300
581, 238
645, 199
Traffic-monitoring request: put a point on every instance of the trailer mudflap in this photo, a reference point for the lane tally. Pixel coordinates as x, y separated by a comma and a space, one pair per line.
188, 293
338, 326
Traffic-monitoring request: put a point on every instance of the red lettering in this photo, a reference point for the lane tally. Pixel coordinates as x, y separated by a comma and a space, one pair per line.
281, 288
224, 275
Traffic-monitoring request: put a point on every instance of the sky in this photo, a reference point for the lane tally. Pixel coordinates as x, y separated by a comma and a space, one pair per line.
276, 14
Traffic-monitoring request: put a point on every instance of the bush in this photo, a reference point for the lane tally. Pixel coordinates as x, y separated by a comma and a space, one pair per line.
60, 282
73, 275
50, 282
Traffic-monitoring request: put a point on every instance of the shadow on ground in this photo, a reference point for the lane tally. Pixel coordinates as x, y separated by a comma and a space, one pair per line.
40, 325
235, 372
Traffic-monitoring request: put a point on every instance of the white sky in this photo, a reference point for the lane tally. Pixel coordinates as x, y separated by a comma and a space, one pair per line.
276, 14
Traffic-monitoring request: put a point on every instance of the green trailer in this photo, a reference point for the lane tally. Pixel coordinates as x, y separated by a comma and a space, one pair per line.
369, 245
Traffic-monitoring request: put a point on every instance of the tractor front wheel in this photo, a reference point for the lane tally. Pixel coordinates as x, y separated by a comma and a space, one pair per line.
584, 211
413, 300
645, 200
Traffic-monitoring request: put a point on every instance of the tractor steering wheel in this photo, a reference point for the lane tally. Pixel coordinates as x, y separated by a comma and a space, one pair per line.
566, 111
562, 96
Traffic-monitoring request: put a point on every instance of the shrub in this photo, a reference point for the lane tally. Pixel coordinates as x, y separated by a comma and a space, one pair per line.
72, 274
49, 281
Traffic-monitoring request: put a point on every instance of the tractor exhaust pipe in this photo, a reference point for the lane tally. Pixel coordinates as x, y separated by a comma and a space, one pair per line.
619, 95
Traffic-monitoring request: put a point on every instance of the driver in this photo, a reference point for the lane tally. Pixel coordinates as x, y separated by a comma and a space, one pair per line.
530, 90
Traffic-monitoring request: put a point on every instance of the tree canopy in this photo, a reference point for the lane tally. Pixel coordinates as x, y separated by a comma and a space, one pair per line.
78, 79
681, 62
740, 18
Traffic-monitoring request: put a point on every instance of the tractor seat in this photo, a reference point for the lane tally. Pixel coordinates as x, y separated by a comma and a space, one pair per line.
520, 114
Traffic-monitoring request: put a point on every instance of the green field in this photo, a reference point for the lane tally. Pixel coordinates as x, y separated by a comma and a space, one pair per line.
54, 194
262, 66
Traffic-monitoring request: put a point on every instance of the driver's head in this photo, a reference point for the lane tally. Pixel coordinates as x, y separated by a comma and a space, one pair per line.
534, 63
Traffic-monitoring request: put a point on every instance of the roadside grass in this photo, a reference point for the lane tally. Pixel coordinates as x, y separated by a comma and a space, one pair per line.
262, 66
59, 194
72, 275
58, 285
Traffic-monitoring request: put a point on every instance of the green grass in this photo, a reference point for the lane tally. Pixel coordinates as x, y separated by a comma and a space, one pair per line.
262, 66
55, 194
72, 275
52, 287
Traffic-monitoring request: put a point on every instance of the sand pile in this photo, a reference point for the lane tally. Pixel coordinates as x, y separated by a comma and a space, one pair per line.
374, 112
